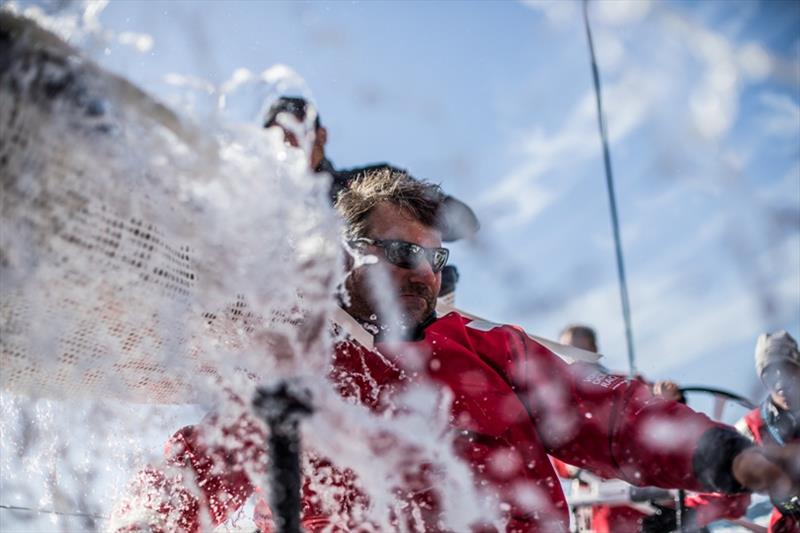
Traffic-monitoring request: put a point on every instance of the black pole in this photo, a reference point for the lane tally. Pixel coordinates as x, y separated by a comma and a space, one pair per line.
681, 517
623, 285
282, 406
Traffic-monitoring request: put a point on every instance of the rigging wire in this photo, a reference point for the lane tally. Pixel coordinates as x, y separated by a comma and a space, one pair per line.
623, 285
49, 511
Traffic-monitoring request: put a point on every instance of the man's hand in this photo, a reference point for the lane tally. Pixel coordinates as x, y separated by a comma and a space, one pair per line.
668, 390
771, 469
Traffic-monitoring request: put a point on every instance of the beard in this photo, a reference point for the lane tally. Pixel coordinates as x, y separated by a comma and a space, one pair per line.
375, 299
416, 302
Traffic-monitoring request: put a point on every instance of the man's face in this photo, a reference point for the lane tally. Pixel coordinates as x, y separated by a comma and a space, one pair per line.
783, 382
375, 289
317, 146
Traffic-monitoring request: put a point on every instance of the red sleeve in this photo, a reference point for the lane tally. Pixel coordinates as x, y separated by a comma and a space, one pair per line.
159, 502
779, 523
203, 481
610, 425
712, 506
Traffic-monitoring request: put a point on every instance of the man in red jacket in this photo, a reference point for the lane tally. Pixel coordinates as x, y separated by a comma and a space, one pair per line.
513, 402
776, 422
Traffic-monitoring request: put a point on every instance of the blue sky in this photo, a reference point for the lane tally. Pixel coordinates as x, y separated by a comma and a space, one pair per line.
494, 101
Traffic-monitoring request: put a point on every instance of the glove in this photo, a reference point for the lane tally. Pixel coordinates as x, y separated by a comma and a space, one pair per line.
790, 507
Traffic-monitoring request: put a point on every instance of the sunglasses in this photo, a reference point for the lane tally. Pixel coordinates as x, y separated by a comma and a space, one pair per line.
409, 255
776, 375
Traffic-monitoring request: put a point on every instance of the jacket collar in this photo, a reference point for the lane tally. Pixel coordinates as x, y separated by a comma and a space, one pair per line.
406, 334
368, 335
782, 425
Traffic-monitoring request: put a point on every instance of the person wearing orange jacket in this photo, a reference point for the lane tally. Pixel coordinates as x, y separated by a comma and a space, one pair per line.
512, 397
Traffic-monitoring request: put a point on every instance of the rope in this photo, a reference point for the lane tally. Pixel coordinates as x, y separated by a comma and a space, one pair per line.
49, 511
623, 285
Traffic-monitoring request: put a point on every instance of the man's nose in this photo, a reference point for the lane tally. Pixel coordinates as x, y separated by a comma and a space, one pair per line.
423, 273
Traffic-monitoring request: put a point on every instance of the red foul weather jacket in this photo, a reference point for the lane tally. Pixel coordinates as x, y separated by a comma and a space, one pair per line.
511, 398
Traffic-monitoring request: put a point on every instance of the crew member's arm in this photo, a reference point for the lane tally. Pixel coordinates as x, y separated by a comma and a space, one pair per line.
617, 428
709, 507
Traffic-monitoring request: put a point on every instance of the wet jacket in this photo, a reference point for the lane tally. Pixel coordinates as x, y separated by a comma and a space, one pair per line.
769, 424
511, 398
703, 508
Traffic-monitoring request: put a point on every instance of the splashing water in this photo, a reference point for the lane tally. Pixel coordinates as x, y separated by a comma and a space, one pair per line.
148, 260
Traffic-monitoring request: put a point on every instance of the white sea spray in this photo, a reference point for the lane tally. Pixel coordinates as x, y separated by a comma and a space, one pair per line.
153, 260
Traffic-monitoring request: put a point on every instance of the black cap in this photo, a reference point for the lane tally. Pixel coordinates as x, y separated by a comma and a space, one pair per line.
295, 105
456, 220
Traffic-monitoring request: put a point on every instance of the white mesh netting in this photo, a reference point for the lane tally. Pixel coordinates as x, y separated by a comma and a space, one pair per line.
147, 259
127, 234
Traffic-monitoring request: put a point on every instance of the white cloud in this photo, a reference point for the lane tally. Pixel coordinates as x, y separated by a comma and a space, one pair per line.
673, 324
610, 50
520, 198
627, 101
630, 101
672, 327
697, 322
755, 61
680, 328
608, 12
557, 12
714, 103
781, 116
785, 189
598, 307
621, 12
701, 331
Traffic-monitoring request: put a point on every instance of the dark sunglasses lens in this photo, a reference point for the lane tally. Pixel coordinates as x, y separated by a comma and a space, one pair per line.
772, 377
439, 259
404, 255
